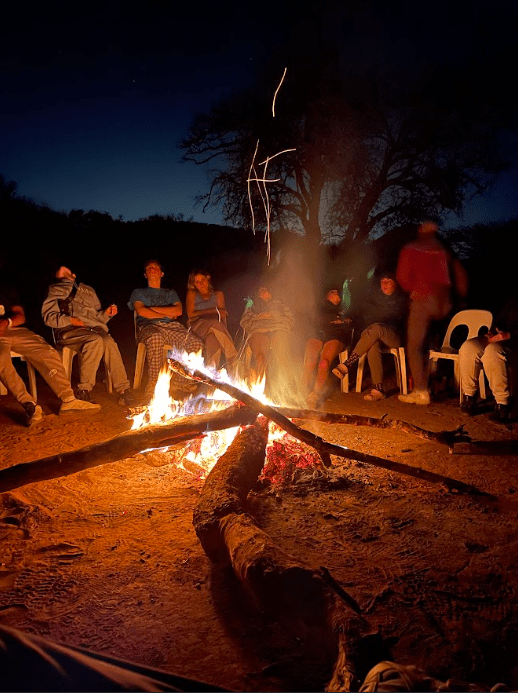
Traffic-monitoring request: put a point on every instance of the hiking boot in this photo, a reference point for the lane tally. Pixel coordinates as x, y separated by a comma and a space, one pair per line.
78, 405
33, 413
501, 413
126, 399
84, 395
416, 397
468, 405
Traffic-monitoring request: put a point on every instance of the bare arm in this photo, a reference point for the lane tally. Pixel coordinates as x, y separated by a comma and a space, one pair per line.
192, 312
156, 312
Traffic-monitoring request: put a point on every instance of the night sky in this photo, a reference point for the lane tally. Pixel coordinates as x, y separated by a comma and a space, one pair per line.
95, 98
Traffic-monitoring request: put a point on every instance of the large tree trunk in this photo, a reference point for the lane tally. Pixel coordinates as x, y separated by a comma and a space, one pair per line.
324, 632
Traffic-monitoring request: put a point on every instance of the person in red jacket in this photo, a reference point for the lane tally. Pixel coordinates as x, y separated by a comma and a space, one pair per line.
429, 273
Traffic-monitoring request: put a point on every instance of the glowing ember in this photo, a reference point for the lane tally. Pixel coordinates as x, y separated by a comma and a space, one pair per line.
285, 454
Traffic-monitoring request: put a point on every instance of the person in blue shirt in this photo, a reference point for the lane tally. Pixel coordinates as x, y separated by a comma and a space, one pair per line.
158, 310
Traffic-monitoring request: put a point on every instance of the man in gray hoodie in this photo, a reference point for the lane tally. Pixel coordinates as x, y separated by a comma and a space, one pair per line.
74, 312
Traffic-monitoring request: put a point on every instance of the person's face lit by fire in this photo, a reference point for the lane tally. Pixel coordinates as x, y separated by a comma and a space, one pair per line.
201, 282
153, 273
65, 273
264, 293
388, 286
333, 297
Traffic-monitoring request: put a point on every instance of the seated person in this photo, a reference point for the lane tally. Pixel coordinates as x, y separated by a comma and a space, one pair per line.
494, 352
383, 314
267, 323
157, 311
74, 312
322, 350
36, 351
208, 318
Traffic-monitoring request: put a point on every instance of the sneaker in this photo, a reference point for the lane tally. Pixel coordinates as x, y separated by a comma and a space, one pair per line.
33, 413
312, 401
126, 399
375, 395
468, 405
84, 395
340, 371
416, 397
501, 413
78, 405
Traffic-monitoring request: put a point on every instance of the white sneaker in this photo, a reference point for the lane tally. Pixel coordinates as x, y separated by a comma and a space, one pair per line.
78, 405
416, 397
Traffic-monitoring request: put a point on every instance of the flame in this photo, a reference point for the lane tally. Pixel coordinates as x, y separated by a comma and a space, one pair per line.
162, 408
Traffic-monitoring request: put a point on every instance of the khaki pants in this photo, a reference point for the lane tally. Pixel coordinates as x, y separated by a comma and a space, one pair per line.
92, 345
475, 354
38, 353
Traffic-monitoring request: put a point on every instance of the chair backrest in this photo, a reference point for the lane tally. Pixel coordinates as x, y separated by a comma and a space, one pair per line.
474, 319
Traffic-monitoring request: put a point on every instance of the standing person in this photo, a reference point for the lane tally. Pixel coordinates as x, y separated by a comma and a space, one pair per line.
74, 311
207, 315
429, 272
38, 353
494, 352
383, 314
267, 323
322, 350
158, 310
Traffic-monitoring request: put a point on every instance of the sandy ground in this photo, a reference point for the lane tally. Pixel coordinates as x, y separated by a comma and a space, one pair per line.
107, 558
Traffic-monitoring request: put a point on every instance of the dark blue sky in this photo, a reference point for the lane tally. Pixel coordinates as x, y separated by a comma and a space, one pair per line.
95, 98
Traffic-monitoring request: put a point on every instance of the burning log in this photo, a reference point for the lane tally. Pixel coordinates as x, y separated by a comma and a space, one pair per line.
323, 622
122, 446
323, 447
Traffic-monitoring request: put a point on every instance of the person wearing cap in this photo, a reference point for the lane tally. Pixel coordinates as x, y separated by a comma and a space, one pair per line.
383, 314
431, 275
74, 312
334, 332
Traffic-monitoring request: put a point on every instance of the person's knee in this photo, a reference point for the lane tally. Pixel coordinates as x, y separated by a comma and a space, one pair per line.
493, 355
323, 364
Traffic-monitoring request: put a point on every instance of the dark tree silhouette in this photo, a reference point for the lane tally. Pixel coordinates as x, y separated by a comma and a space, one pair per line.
367, 156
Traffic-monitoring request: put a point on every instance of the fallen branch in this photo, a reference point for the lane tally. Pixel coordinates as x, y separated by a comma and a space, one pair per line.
321, 623
448, 438
122, 446
323, 447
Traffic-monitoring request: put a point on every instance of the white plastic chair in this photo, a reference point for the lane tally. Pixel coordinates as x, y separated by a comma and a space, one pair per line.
31, 373
474, 320
141, 356
344, 382
400, 364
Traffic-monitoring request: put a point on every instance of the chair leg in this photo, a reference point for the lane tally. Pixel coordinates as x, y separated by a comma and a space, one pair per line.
482, 384
109, 382
359, 372
344, 383
139, 365
32, 381
402, 368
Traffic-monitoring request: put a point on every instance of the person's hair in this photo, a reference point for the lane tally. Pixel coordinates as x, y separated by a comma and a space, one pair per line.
193, 274
152, 261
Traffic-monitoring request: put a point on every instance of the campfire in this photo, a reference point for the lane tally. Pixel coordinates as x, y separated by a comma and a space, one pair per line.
284, 453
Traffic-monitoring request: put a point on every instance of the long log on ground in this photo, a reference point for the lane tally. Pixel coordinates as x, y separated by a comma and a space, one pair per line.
448, 438
323, 447
322, 623
123, 445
